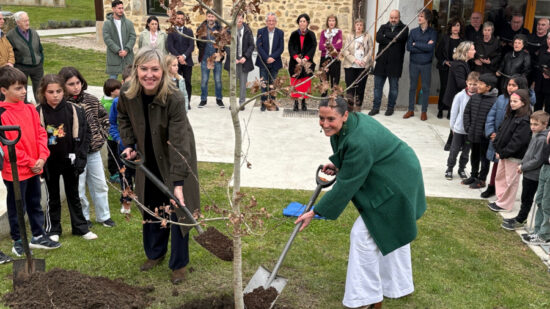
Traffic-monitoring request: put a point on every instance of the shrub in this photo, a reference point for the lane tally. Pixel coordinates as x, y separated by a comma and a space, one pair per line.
43, 26
53, 24
75, 23
89, 23
63, 24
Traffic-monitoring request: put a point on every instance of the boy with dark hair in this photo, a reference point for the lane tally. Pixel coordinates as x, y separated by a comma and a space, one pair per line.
111, 90
530, 167
32, 152
129, 173
475, 115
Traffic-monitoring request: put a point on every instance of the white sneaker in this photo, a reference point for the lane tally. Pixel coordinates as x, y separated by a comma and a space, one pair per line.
124, 210
54, 237
89, 236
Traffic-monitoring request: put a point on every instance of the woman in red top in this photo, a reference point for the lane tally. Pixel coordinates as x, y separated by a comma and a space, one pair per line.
301, 47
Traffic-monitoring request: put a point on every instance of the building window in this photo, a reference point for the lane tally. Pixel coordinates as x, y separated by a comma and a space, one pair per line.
154, 7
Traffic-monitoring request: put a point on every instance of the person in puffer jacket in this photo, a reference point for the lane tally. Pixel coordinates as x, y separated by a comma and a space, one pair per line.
475, 115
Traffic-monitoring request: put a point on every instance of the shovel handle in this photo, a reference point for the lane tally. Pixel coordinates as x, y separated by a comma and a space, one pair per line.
321, 183
5, 140
139, 164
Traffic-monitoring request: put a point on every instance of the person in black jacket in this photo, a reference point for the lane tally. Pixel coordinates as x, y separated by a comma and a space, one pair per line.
390, 64
458, 72
475, 115
517, 61
487, 59
245, 47
510, 30
301, 52
542, 78
182, 47
511, 143
444, 54
68, 140
205, 34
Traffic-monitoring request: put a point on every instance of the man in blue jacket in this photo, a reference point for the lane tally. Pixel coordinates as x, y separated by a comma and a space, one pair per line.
421, 45
270, 44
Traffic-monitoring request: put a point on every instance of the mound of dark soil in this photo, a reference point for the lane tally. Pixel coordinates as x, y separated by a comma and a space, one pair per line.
216, 302
260, 298
217, 243
60, 288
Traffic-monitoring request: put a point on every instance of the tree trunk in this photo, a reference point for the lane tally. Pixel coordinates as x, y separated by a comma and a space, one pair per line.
237, 257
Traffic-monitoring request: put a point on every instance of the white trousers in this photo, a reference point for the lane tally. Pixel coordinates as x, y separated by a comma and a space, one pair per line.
371, 276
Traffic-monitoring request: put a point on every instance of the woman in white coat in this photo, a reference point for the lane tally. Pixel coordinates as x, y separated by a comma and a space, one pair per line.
153, 36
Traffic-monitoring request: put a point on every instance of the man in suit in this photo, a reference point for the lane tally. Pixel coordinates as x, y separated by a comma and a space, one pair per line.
245, 47
182, 47
270, 44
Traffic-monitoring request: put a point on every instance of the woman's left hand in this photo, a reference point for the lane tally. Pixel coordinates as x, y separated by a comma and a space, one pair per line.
305, 218
178, 193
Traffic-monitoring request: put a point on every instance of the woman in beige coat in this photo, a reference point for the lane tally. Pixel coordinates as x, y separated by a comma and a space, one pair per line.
357, 52
152, 35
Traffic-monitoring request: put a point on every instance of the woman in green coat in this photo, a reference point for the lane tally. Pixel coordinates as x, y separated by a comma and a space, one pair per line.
151, 112
382, 176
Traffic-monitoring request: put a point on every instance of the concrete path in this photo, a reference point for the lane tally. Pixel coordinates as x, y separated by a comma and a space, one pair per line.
65, 31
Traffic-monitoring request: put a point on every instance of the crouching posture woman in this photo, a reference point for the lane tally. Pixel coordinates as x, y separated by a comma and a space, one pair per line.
381, 175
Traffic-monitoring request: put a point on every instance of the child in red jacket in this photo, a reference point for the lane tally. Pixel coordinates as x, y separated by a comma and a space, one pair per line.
32, 152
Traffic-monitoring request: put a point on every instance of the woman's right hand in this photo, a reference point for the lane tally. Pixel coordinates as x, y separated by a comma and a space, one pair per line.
329, 169
129, 153
305, 219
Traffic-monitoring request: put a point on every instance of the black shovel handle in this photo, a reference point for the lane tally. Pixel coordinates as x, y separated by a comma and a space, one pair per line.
138, 163
5, 140
17, 187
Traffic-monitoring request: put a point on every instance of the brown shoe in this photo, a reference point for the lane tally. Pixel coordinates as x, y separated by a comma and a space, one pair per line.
423, 116
151, 263
409, 114
178, 276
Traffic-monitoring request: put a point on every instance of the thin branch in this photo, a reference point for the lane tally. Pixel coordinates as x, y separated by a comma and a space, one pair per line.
211, 11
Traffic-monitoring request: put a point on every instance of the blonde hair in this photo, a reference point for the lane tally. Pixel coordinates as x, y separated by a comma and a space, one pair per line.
168, 59
461, 52
166, 86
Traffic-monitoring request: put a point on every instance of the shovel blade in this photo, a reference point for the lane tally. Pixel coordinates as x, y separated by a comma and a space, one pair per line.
21, 270
260, 279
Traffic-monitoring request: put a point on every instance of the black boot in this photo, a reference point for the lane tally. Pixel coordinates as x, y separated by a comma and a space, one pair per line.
440, 114
304, 107
489, 192
296, 105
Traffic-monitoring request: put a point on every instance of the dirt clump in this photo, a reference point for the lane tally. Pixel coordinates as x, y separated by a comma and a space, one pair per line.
217, 243
260, 298
59, 288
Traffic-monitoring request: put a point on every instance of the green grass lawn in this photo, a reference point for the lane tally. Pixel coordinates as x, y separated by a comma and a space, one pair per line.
75, 10
461, 258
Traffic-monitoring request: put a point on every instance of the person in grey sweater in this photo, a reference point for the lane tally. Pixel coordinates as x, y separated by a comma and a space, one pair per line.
530, 167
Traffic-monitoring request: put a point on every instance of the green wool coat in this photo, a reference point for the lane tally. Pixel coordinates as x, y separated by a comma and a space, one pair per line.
115, 64
168, 122
381, 175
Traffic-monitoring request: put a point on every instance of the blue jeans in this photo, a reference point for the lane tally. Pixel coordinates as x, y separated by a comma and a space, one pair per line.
425, 72
30, 195
379, 82
94, 177
205, 76
113, 76
265, 74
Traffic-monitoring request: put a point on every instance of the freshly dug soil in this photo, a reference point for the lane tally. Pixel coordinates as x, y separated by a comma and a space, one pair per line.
217, 243
60, 288
260, 298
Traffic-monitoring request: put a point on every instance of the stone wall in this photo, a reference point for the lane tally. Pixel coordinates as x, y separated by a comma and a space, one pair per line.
51, 3
286, 10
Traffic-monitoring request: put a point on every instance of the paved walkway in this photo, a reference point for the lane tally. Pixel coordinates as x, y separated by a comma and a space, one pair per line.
65, 31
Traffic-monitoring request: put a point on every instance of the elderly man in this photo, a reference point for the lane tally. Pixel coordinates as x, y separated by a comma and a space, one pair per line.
119, 37
270, 44
390, 64
512, 29
473, 30
27, 49
536, 43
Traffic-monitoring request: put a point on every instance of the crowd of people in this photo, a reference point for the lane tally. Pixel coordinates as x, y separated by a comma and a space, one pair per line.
492, 79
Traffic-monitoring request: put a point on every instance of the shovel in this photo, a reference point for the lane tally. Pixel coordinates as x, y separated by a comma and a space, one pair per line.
222, 247
264, 278
22, 268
